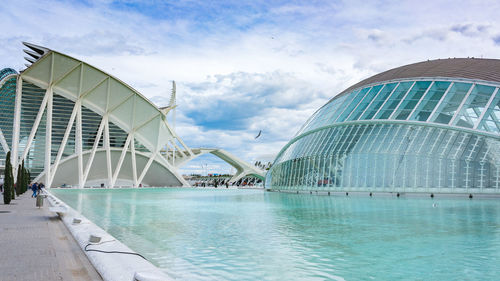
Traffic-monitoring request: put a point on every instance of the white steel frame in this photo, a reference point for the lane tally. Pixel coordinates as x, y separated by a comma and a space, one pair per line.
54, 72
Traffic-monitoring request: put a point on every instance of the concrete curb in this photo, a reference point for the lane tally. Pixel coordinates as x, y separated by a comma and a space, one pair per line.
111, 266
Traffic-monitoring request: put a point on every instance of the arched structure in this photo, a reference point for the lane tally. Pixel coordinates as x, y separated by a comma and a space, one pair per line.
76, 125
432, 126
242, 168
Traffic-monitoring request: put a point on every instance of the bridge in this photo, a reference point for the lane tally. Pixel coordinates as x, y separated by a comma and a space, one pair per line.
242, 168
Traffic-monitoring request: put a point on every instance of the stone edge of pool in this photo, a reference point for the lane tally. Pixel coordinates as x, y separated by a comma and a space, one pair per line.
111, 266
420, 194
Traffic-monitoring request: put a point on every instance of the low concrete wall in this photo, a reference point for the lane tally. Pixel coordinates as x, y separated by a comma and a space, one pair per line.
111, 266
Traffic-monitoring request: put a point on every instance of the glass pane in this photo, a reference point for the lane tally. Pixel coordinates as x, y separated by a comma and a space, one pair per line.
491, 118
430, 101
379, 100
474, 106
318, 118
8, 98
491, 126
450, 103
393, 100
31, 100
345, 100
365, 102
333, 111
326, 114
411, 100
306, 125
349, 108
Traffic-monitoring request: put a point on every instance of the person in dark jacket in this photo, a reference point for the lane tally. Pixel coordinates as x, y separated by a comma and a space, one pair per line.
34, 188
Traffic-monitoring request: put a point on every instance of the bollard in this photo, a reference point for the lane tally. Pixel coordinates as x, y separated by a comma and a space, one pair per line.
39, 201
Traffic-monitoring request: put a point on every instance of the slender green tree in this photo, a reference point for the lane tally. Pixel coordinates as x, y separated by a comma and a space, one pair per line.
11, 175
7, 183
19, 180
21, 188
25, 179
28, 177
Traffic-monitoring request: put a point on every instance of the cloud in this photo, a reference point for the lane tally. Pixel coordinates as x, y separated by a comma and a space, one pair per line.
496, 39
242, 95
432, 34
245, 66
243, 104
105, 42
471, 30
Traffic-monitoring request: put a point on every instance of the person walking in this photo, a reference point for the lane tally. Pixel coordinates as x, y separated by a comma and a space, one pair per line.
39, 189
34, 188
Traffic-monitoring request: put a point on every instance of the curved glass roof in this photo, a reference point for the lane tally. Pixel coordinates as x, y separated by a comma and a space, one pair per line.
6, 72
465, 103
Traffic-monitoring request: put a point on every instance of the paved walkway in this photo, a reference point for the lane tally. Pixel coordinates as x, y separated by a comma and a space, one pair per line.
35, 245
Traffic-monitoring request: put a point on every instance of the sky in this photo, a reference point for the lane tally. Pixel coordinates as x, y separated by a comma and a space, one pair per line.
246, 66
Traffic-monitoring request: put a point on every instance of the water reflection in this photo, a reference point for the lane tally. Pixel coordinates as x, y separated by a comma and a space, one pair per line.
255, 235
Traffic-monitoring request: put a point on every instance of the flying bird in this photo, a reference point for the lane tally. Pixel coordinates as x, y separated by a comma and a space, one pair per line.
258, 135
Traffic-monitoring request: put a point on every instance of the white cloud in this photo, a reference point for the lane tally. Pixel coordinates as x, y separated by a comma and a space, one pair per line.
267, 66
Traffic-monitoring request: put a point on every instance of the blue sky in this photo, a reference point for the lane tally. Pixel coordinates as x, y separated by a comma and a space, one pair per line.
246, 66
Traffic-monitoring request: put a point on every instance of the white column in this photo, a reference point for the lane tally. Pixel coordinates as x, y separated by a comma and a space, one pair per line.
108, 153
17, 123
79, 144
5, 146
48, 136
146, 168
134, 163
94, 148
63, 143
120, 161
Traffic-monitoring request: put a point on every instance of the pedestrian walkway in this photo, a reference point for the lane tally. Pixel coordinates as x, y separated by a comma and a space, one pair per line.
35, 245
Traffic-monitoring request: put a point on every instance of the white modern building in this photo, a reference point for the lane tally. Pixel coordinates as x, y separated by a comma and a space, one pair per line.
427, 127
76, 125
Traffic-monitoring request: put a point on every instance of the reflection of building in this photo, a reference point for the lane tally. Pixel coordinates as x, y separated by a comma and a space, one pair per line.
74, 124
426, 127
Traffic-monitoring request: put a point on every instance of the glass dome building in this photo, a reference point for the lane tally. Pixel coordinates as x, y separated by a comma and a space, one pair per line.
432, 126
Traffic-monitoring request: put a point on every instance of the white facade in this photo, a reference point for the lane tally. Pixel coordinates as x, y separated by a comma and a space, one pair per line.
76, 125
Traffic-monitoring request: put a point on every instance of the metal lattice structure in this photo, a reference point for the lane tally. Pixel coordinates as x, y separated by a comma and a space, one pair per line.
428, 127
76, 125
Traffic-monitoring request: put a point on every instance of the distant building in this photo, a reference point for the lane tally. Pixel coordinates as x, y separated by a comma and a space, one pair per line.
432, 126
76, 125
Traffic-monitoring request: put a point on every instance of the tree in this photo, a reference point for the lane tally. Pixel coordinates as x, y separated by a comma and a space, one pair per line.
29, 176
19, 180
11, 176
25, 179
7, 183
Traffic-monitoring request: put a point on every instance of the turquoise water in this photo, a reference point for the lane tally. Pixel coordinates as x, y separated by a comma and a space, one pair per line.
255, 235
